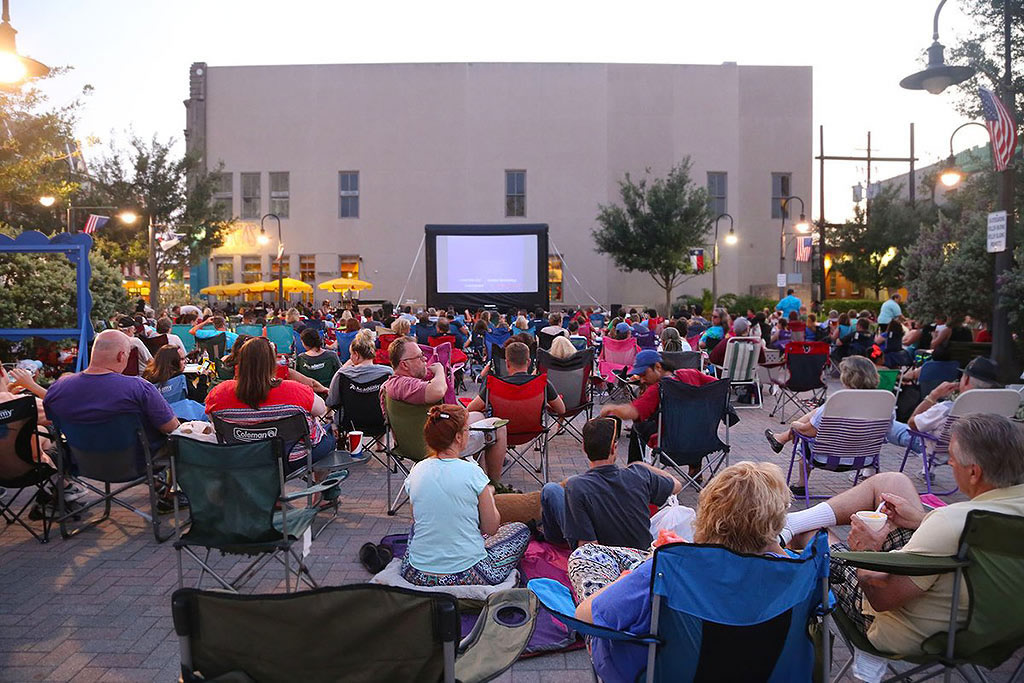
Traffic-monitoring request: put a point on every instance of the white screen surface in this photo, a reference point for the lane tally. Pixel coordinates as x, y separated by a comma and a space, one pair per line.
486, 263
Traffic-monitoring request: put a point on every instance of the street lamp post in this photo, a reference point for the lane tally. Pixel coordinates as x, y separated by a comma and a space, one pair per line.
951, 174
1002, 343
280, 255
800, 226
15, 68
729, 239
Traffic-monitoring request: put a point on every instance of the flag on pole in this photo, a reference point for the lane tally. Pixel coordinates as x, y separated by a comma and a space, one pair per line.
803, 248
1001, 128
697, 260
94, 223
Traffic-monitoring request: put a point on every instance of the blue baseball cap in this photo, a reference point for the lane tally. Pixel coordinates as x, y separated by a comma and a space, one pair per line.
644, 360
623, 327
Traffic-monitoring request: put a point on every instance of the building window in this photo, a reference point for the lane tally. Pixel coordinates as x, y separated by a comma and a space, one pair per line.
555, 278
348, 194
833, 280
307, 267
223, 270
279, 194
252, 271
515, 193
780, 190
251, 195
717, 193
348, 266
223, 196
282, 264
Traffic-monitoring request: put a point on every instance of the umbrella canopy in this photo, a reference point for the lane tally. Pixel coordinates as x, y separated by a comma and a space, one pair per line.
237, 288
290, 285
345, 284
216, 290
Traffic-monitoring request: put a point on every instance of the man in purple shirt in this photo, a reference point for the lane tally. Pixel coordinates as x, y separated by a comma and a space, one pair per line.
415, 383
101, 392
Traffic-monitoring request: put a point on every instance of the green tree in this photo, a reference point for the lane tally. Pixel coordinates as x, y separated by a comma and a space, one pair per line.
658, 223
945, 267
174, 191
873, 243
37, 151
39, 290
983, 49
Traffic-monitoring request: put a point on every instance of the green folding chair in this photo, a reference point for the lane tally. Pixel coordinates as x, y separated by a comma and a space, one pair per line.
283, 337
233, 491
360, 633
990, 560
889, 380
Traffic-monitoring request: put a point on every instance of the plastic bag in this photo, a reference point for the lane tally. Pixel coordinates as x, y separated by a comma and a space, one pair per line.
675, 518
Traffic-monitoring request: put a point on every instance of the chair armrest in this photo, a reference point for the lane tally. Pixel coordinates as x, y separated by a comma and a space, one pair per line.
328, 483
922, 435
772, 366
904, 564
501, 633
488, 425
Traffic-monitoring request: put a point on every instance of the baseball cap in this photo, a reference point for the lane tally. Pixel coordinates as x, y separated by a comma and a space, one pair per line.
623, 327
740, 326
984, 369
644, 360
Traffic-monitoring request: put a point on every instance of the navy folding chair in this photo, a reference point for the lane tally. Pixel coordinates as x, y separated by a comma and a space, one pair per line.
709, 605
112, 452
805, 366
174, 389
360, 410
682, 360
646, 340
688, 423
22, 467
935, 372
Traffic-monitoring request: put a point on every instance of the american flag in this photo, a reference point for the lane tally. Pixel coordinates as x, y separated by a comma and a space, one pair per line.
94, 223
1001, 128
803, 248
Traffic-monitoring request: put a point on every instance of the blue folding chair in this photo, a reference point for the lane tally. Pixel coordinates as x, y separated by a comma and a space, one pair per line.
494, 338
251, 330
688, 424
174, 389
344, 340
112, 452
935, 372
716, 615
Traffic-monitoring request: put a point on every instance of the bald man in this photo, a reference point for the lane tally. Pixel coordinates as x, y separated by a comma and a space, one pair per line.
101, 392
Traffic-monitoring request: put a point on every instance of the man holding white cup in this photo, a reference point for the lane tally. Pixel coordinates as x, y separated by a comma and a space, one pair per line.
897, 613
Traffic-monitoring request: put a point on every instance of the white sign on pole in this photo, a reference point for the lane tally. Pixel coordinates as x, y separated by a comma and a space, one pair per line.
996, 232
780, 280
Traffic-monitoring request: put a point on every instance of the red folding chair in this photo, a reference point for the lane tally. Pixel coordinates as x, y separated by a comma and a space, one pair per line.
459, 357
523, 406
383, 342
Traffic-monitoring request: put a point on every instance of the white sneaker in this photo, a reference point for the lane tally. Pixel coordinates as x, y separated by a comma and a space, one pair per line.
864, 474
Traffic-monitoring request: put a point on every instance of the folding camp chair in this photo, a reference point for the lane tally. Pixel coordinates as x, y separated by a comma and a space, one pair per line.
889, 380
934, 450
497, 361
524, 406
688, 421
22, 467
174, 389
406, 421
232, 492
571, 379
343, 340
544, 339
215, 345
717, 615
184, 333
154, 344
616, 354
423, 333
854, 424
646, 340
283, 337
804, 364
740, 366
683, 360
597, 321
251, 330
383, 342
395, 634
360, 410
291, 424
935, 372
113, 452
495, 338
131, 366
990, 562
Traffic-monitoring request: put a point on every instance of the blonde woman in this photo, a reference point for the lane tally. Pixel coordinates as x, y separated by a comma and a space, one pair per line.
561, 348
743, 509
402, 327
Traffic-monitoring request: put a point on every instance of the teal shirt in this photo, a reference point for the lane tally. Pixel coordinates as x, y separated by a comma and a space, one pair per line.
445, 494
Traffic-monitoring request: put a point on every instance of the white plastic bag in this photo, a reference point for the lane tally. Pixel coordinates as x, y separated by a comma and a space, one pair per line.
674, 517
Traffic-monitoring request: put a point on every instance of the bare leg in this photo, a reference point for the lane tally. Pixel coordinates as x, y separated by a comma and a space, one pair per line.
867, 495
494, 455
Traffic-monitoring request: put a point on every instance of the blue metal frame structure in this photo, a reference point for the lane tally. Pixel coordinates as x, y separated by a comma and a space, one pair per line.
75, 246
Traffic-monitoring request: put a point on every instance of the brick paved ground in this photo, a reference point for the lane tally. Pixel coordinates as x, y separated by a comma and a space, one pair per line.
96, 607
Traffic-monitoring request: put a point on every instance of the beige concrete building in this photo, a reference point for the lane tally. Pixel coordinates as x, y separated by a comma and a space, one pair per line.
356, 159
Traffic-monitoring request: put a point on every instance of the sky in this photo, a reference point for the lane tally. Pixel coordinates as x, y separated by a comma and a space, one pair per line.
136, 55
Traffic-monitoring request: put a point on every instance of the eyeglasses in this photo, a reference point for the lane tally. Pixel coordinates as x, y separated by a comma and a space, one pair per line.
419, 356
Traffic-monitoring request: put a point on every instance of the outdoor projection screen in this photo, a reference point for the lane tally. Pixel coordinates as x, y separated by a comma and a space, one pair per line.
476, 265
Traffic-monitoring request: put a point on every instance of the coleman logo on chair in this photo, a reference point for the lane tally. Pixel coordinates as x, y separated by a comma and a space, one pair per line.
243, 434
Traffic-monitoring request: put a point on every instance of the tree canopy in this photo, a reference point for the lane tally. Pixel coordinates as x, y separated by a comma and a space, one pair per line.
655, 227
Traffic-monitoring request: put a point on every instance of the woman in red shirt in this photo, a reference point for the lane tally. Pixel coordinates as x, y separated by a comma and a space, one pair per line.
256, 386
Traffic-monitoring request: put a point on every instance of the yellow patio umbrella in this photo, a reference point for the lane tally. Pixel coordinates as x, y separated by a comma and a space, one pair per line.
345, 284
216, 290
237, 288
290, 285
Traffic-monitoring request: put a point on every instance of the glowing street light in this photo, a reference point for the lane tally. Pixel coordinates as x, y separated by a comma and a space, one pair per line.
47, 200
128, 217
15, 68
